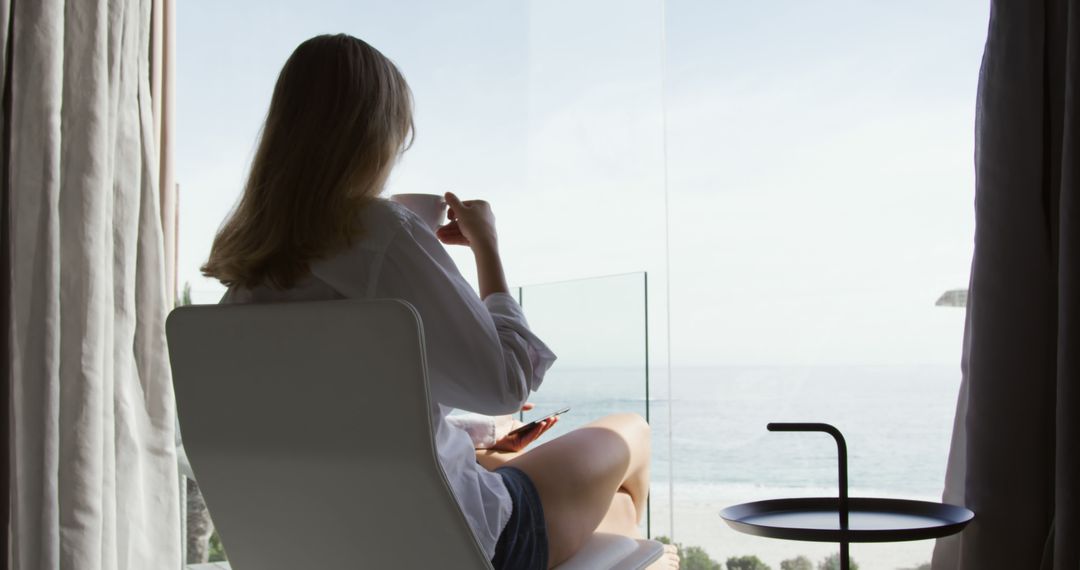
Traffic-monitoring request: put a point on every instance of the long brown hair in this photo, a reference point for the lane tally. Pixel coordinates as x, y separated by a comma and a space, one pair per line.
340, 115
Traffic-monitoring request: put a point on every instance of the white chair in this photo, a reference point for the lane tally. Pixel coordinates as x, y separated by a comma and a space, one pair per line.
308, 427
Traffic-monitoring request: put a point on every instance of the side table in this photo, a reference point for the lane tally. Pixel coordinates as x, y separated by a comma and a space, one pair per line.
843, 519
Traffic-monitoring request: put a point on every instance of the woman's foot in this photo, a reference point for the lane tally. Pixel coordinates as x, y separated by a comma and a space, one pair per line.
668, 560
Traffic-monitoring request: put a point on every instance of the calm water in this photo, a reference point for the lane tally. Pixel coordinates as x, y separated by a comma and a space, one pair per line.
897, 421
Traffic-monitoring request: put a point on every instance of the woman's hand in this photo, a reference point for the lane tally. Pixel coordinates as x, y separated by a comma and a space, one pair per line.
514, 442
471, 223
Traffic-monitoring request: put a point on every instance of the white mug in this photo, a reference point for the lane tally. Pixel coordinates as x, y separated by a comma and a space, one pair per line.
430, 207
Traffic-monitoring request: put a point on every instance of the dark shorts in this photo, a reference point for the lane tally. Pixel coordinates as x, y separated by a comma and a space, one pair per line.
523, 544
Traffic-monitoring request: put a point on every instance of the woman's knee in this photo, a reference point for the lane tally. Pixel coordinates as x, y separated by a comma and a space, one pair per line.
632, 426
596, 456
637, 422
631, 418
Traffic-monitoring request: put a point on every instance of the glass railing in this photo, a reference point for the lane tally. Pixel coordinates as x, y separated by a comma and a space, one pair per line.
599, 328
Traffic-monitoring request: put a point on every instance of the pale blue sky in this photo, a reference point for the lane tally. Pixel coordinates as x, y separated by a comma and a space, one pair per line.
818, 161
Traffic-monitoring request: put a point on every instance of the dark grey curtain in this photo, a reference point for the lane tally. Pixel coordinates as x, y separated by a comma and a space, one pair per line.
1016, 443
5, 271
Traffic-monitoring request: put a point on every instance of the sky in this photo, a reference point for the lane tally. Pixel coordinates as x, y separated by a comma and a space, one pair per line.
799, 173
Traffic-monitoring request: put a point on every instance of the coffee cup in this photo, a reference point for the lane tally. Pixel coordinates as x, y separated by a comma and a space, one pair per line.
430, 207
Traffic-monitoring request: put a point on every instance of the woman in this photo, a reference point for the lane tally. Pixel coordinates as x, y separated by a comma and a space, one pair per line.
310, 226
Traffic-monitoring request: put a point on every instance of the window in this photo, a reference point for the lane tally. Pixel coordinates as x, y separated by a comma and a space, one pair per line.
795, 178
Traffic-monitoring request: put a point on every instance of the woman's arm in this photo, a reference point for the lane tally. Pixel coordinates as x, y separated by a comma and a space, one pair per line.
489, 271
482, 357
484, 431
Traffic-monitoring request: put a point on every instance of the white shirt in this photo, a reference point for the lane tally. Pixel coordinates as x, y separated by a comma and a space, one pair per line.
481, 355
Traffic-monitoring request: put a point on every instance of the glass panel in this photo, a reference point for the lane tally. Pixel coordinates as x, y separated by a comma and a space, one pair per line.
599, 329
821, 185
595, 200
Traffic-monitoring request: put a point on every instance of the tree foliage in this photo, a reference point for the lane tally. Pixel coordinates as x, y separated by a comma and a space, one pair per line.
185, 296
746, 563
832, 562
797, 563
692, 557
695, 558
217, 550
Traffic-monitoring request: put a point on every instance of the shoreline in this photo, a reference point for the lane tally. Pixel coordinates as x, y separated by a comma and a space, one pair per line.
698, 523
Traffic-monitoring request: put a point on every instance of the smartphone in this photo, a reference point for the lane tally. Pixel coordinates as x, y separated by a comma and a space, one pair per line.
533, 424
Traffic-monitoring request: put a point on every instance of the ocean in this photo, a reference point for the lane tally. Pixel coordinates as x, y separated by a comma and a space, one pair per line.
715, 451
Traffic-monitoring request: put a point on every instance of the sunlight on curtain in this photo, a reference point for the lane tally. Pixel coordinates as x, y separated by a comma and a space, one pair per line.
94, 479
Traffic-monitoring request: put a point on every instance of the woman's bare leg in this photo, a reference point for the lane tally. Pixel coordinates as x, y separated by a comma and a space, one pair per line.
579, 474
636, 480
621, 517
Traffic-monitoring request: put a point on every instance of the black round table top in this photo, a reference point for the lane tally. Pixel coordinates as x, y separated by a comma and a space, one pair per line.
817, 519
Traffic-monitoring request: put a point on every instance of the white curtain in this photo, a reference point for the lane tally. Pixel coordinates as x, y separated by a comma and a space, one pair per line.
94, 481
162, 80
1015, 457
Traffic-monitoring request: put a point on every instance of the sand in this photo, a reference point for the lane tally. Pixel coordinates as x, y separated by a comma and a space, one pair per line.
698, 523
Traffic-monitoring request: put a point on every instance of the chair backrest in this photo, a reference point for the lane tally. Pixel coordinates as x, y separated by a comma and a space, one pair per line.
308, 427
